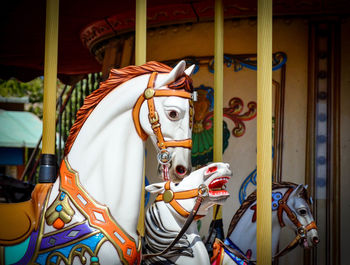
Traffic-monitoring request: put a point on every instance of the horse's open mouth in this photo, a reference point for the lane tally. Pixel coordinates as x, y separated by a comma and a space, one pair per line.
217, 187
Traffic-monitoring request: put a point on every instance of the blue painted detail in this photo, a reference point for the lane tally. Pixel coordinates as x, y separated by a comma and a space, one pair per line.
250, 179
243, 189
52, 241
278, 60
196, 68
147, 194
54, 259
274, 206
322, 117
90, 242
94, 259
321, 139
59, 208
209, 95
193, 60
276, 196
321, 182
229, 242
321, 160
62, 196
237, 260
311, 200
15, 253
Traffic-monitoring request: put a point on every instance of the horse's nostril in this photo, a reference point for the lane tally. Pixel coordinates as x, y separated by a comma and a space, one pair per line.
315, 240
180, 170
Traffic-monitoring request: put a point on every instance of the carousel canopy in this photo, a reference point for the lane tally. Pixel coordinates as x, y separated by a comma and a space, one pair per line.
82, 23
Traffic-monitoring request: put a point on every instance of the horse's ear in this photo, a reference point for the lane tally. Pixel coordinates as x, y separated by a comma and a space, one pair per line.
155, 188
174, 74
298, 190
190, 70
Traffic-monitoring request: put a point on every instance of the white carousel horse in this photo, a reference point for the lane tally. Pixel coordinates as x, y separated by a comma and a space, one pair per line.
170, 212
90, 214
290, 208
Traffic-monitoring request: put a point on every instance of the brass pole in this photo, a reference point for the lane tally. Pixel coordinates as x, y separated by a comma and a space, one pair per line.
218, 80
218, 88
140, 58
140, 32
264, 132
48, 170
50, 77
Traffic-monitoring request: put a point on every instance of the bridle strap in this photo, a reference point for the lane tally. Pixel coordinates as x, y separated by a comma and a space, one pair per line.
234, 251
301, 230
284, 207
294, 242
171, 197
153, 116
188, 222
311, 226
180, 195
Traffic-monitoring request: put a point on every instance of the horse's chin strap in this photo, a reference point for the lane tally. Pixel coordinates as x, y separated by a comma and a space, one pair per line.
202, 192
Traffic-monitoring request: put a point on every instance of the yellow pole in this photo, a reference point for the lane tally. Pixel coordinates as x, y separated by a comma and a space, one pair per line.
50, 77
264, 132
140, 58
218, 80
140, 32
218, 87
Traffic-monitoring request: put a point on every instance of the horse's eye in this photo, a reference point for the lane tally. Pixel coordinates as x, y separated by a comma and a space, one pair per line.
302, 212
173, 114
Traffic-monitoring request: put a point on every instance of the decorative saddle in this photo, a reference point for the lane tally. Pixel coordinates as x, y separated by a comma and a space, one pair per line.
20, 219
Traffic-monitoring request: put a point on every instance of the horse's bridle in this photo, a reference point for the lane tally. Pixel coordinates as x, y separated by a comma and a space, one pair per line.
301, 230
170, 197
149, 93
283, 206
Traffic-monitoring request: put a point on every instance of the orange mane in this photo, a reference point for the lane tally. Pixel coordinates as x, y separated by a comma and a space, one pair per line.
116, 78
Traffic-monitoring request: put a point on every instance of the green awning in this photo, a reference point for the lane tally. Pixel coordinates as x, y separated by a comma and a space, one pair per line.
19, 129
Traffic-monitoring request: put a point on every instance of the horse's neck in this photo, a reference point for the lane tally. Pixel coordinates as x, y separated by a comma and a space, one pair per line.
108, 155
173, 222
244, 234
170, 219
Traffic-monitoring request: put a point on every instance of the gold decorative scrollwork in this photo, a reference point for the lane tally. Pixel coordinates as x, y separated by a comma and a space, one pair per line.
233, 112
78, 251
60, 212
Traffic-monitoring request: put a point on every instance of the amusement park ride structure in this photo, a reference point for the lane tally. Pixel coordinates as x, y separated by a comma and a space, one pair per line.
109, 39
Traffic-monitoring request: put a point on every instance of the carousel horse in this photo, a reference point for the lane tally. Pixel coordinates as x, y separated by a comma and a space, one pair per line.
291, 207
89, 214
171, 235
